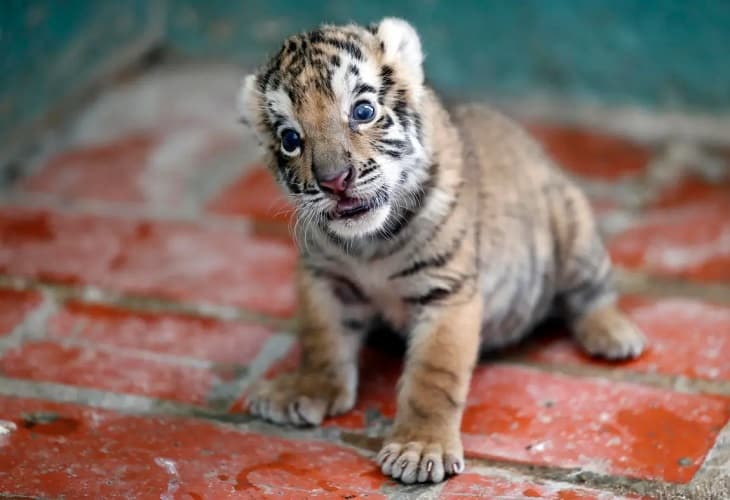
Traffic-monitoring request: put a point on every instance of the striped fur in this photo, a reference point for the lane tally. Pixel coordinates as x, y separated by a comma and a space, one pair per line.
473, 237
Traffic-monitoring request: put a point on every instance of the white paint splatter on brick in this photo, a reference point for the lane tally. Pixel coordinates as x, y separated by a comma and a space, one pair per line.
173, 482
6, 429
678, 258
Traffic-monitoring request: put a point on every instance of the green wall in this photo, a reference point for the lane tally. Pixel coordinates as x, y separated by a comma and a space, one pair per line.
666, 54
53, 50
660, 53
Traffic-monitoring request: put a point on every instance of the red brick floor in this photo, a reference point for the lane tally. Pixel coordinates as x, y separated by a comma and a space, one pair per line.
129, 338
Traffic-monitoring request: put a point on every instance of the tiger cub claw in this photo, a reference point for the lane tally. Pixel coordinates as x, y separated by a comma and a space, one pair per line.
420, 461
300, 399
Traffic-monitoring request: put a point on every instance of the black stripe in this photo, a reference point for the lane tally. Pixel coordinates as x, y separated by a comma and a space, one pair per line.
386, 82
344, 289
385, 121
363, 88
397, 222
345, 45
429, 385
417, 410
436, 261
435, 294
365, 182
437, 369
353, 324
369, 167
398, 143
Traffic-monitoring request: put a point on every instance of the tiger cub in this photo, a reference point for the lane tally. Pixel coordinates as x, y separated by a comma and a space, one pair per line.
453, 227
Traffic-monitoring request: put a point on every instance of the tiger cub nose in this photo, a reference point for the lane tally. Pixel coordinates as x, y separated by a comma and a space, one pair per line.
337, 183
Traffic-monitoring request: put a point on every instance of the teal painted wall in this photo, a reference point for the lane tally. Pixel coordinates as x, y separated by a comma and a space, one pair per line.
52, 50
667, 54
661, 53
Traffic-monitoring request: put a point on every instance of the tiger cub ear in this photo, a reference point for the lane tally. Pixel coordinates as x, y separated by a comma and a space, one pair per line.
248, 101
402, 47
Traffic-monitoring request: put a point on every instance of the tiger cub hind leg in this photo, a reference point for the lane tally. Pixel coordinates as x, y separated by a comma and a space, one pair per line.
587, 293
598, 325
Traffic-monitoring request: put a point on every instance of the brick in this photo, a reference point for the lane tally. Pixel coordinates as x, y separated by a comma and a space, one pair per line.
692, 189
255, 195
691, 241
52, 450
686, 338
600, 425
221, 342
172, 260
14, 305
473, 485
523, 415
162, 167
590, 153
108, 171
123, 372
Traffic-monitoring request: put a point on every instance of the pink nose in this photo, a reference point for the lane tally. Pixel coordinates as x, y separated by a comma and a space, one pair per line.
337, 184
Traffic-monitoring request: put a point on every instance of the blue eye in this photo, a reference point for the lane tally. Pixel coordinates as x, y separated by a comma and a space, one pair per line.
290, 141
363, 112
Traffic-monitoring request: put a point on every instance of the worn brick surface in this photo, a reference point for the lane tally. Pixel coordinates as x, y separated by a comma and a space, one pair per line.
686, 337
112, 171
691, 189
166, 259
183, 155
52, 450
599, 425
690, 241
591, 153
222, 342
254, 195
87, 366
13, 308
529, 416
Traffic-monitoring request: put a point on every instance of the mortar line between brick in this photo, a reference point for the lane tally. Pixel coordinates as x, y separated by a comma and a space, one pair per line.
577, 477
62, 393
224, 395
676, 383
123, 211
32, 327
716, 466
89, 294
399, 491
168, 359
642, 125
638, 283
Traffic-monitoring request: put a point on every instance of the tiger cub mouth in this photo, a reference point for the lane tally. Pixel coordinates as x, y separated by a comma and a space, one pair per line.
351, 208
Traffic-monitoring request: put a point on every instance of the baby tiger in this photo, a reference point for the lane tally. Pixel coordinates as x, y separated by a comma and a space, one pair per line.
453, 227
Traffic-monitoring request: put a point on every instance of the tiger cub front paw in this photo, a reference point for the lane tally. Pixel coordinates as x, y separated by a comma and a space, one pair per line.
412, 459
302, 399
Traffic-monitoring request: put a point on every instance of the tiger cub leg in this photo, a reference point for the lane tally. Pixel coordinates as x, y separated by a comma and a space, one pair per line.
598, 326
330, 333
424, 443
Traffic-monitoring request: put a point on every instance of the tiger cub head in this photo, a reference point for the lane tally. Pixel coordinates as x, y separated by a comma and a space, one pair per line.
338, 111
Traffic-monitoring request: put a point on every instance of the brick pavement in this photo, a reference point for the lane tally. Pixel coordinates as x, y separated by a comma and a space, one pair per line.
146, 283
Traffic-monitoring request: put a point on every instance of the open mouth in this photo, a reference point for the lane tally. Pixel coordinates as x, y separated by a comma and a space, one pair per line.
350, 208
